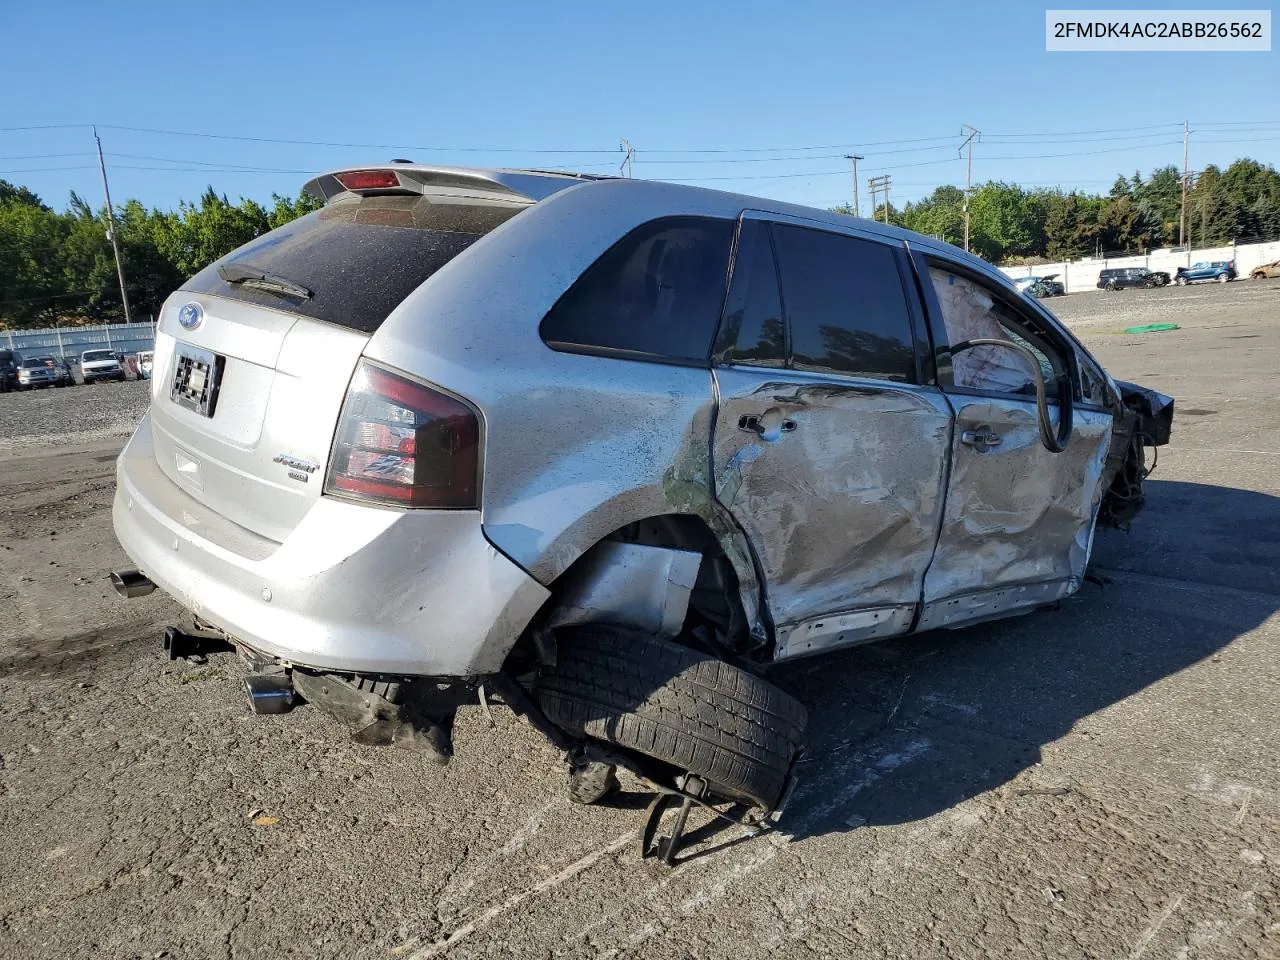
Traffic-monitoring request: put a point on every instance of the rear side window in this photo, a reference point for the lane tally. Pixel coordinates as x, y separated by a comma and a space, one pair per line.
359, 257
753, 331
845, 304
656, 294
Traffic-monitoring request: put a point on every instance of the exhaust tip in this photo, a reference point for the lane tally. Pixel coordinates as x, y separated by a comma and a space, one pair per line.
269, 693
131, 583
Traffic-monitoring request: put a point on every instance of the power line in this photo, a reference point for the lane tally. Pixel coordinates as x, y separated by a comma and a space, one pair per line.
1084, 153
538, 150
1082, 133
128, 166
204, 163
1013, 140
87, 166
47, 126
44, 156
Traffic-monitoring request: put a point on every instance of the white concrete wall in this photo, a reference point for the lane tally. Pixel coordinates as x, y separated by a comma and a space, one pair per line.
1082, 275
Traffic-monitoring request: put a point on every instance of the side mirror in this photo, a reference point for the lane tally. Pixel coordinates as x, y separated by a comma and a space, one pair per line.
1055, 441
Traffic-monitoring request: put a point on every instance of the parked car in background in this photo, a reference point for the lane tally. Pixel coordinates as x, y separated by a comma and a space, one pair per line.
587, 442
9, 361
36, 372
1266, 271
1119, 278
1220, 270
145, 361
61, 370
1040, 287
98, 365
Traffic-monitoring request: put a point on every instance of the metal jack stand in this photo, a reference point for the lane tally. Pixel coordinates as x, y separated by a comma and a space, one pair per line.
693, 789
688, 789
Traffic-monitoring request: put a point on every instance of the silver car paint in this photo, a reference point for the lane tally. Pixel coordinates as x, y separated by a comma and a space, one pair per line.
282, 389
1016, 514
575, 448
352, 588
843, 507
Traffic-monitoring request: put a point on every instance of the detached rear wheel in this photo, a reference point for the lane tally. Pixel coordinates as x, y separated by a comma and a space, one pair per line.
675, 705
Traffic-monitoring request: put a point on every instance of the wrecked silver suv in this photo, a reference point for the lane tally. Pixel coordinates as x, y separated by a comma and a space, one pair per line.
606, 449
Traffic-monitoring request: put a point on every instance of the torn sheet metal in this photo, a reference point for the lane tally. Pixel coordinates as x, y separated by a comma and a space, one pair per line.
983, 605
838, 484
1016, 514
843, 630
1155, 412
630, 585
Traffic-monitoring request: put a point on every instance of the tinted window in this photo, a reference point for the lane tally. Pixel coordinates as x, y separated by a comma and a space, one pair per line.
655, 294
753, 331
359, 257
845, 304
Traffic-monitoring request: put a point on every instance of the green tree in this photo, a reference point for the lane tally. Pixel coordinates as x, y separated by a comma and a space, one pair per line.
284, 210
31, 283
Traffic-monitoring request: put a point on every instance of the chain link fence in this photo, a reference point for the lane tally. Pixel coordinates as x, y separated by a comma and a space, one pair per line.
70, 342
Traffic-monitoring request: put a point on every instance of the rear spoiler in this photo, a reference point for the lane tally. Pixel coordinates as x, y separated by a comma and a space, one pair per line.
527, 185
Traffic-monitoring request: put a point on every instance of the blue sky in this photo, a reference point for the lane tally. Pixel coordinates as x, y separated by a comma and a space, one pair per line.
784, 89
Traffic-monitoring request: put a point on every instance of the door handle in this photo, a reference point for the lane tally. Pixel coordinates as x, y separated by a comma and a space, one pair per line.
980, 439
754, 423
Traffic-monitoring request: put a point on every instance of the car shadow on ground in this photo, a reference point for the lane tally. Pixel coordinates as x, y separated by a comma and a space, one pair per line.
902, 730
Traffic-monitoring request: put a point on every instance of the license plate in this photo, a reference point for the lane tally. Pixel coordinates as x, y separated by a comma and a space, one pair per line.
197, 376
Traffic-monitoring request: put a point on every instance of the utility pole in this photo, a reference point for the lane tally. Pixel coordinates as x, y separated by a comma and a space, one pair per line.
630, 152
1182, 230
968, 178
111, 228
876, 185
855, 158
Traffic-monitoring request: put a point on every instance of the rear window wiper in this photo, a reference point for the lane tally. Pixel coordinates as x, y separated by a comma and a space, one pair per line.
261, 280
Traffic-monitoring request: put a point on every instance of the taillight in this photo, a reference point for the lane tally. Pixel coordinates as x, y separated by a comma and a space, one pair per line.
400, 442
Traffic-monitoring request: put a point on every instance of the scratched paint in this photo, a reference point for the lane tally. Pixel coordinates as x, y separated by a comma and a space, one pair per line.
1016, 513
843, 506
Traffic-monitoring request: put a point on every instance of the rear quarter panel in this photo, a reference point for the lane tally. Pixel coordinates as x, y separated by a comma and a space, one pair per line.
574, 446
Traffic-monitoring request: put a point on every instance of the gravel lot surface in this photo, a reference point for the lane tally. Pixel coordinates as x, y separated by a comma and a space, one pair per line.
1099, 781
42, 419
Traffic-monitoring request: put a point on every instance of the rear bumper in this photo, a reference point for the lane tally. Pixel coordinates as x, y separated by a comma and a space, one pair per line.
352, 588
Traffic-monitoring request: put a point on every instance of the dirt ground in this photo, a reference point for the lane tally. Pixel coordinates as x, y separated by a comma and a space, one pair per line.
1098, 781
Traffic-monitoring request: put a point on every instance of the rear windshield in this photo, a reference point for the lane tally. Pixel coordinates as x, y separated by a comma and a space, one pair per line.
359, 257
98, 355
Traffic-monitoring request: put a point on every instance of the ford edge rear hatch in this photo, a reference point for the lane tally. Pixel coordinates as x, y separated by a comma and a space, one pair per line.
254, 353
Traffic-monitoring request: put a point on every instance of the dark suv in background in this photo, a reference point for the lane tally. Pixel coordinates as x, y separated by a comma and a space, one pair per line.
1120, 277
9, 363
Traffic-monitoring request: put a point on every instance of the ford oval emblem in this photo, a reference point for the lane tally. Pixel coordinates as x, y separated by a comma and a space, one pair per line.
191, 316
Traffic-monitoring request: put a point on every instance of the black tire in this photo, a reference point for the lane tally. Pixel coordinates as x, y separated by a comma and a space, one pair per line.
677, 706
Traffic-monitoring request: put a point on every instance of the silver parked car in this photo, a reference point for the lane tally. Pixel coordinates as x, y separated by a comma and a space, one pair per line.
37, 372
609, 448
